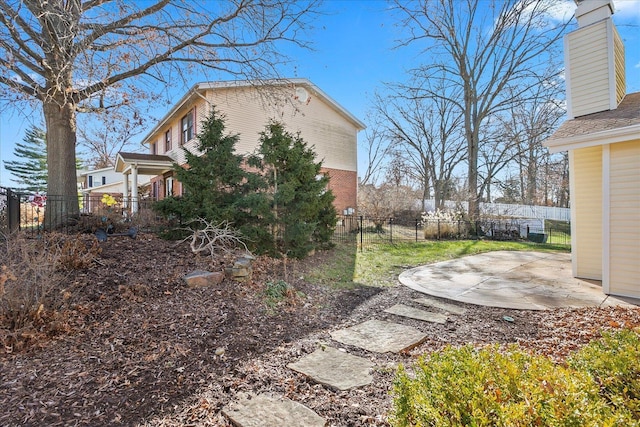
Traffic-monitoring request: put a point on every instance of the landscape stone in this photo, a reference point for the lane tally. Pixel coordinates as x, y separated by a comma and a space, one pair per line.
203, 279
335, 368
242, 268
431, 302
266, 410
380, 336
416, 313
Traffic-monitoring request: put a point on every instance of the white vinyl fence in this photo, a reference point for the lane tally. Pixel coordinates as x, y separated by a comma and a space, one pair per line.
507, 210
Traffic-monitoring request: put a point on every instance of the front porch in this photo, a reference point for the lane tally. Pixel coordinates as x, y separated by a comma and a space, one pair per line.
133, 165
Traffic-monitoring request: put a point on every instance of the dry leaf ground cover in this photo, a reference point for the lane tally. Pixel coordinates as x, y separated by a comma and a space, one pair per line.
132, 345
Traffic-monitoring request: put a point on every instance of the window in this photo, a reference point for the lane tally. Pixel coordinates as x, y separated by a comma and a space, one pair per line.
187, 128
153, 148
169, 187
154, 190
90, 181
104, 180
167, 141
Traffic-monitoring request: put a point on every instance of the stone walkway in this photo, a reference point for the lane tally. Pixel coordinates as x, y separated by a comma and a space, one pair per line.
518, 280
336, 368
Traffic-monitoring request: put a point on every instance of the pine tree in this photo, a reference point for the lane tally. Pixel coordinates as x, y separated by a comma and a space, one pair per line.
217, 188
304, 215
31, 169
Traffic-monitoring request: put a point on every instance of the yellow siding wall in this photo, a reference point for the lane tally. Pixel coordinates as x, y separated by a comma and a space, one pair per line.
588, 69
624, 228
620, 70
586, 203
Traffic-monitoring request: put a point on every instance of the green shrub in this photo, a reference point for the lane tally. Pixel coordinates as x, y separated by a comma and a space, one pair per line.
614, 363
489, 387
280, 292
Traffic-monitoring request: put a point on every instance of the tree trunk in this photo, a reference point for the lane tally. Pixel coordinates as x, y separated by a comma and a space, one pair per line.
532, 169
62, 190
474, 196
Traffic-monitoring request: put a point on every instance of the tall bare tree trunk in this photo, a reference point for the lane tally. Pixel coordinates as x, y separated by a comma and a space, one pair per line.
474, 194
62, 190
532, 175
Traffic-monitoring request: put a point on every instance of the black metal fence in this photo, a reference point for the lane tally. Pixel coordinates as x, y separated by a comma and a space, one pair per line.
28, 212
34, 212
368, 231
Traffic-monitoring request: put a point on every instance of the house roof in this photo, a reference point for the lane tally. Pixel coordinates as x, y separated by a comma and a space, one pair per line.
85, 172
117, 186
204, 86
605, 127
147, 164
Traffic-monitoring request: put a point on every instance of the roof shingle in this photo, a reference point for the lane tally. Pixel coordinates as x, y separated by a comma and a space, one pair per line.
627, 114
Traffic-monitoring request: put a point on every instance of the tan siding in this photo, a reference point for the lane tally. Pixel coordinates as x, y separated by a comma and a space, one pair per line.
621, 84
588, 69
624, 196
176, 151
247, 112
331, 135
587, 203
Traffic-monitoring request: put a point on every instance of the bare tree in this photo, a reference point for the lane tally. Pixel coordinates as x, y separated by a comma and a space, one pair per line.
103, 135
381, 202
556, 180
527, 125
427, 132
377, 150
492, 52
69, 54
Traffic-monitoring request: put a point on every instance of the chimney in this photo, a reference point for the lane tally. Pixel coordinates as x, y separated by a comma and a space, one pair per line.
594, 60
591, 11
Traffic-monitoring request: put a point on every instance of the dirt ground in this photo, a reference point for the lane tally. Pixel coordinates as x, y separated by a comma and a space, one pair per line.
132, 345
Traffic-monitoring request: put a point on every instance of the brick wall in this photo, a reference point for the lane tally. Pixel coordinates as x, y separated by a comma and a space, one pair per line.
344, 185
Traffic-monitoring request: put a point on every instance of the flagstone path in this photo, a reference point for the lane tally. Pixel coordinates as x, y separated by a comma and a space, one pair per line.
338, 369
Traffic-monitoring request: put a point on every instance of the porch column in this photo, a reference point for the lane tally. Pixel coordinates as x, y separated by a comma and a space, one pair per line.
125, 191
134, 188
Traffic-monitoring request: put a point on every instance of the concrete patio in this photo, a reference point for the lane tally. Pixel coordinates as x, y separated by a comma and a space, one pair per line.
510, 279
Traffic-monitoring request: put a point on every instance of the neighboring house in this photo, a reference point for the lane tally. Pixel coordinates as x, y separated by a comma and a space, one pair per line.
91, 179
248, 106
602, 136
97, 182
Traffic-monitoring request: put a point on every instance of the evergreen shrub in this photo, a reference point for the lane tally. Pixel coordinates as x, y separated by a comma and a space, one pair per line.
614, 363
493, 387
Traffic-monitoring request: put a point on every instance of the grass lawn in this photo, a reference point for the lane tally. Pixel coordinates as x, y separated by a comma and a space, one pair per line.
559, 232
379, 265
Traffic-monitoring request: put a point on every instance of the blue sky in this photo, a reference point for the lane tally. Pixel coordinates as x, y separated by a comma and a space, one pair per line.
352, 58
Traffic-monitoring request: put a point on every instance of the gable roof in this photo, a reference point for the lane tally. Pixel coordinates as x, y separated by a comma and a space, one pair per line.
605, 127
147, 164
199, 88
87, 171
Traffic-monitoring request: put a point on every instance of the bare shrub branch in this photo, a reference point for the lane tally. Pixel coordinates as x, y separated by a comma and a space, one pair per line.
28, 273
214, 238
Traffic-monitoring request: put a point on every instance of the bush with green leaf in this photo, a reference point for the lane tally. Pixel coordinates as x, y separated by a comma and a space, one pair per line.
493, 387
279, 292
216, 186
303, 213
614, 363
278, 200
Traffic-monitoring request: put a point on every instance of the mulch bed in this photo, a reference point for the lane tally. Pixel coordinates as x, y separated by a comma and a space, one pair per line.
132, 345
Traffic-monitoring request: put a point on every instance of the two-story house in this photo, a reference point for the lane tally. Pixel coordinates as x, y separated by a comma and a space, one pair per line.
248, 106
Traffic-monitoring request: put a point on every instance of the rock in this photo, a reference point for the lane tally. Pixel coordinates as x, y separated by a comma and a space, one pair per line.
203, 279
266, 410
335, 368
242, 269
